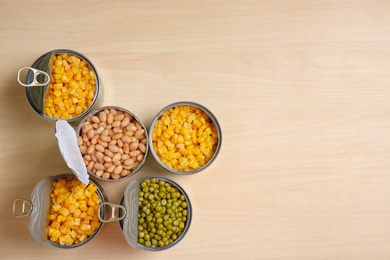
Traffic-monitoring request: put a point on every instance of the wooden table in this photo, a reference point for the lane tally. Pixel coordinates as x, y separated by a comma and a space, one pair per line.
301, 90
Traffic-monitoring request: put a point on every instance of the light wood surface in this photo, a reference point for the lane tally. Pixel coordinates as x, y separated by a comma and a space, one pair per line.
301, 90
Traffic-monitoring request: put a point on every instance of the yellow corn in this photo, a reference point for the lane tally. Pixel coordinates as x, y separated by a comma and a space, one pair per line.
66, 80
72, 217
184, 138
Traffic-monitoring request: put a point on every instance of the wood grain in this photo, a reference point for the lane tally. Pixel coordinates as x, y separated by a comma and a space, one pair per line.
301, 90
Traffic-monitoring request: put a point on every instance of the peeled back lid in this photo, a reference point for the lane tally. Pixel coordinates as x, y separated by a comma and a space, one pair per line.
130, 222
67, 142
40, 198
35, 94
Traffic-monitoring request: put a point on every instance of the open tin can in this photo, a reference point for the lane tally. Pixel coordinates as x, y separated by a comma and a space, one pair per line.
113, 143
38, 209
39, 80
185, 137
128, 214
41, 199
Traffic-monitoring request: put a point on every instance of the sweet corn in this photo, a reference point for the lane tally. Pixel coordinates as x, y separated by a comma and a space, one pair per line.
184, 138
72, 217
69, 75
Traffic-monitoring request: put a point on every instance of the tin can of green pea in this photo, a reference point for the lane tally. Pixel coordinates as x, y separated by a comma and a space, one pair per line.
38, 209
39, 79
185, 137
172, 213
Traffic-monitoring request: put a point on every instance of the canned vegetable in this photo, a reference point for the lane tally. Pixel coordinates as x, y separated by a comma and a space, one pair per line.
154, 214
113, 143
185, 138
63, 211
62, 84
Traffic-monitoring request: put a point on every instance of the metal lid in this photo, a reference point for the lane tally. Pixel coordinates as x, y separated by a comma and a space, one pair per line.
40, 199
67, 142
130, 222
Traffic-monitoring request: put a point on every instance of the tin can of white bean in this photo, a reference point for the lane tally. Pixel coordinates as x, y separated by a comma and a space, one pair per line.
54, 223
113, 143
62, 84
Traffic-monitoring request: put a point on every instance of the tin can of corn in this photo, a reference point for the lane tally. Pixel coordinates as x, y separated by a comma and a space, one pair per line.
62, 84
185, 137
63, 211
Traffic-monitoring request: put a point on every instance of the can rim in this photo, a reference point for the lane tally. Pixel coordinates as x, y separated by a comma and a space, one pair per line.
212, 118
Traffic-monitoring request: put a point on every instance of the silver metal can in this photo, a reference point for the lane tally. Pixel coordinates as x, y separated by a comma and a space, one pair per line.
115, 144
127, 214
38, 80
38, 209
152, 136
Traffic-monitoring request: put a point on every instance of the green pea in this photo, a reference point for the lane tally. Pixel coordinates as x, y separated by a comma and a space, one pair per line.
160, 226
148, 243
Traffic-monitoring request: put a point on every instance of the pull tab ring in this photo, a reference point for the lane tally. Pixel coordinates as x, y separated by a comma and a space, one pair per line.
113, 211
35, 82
25, 211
